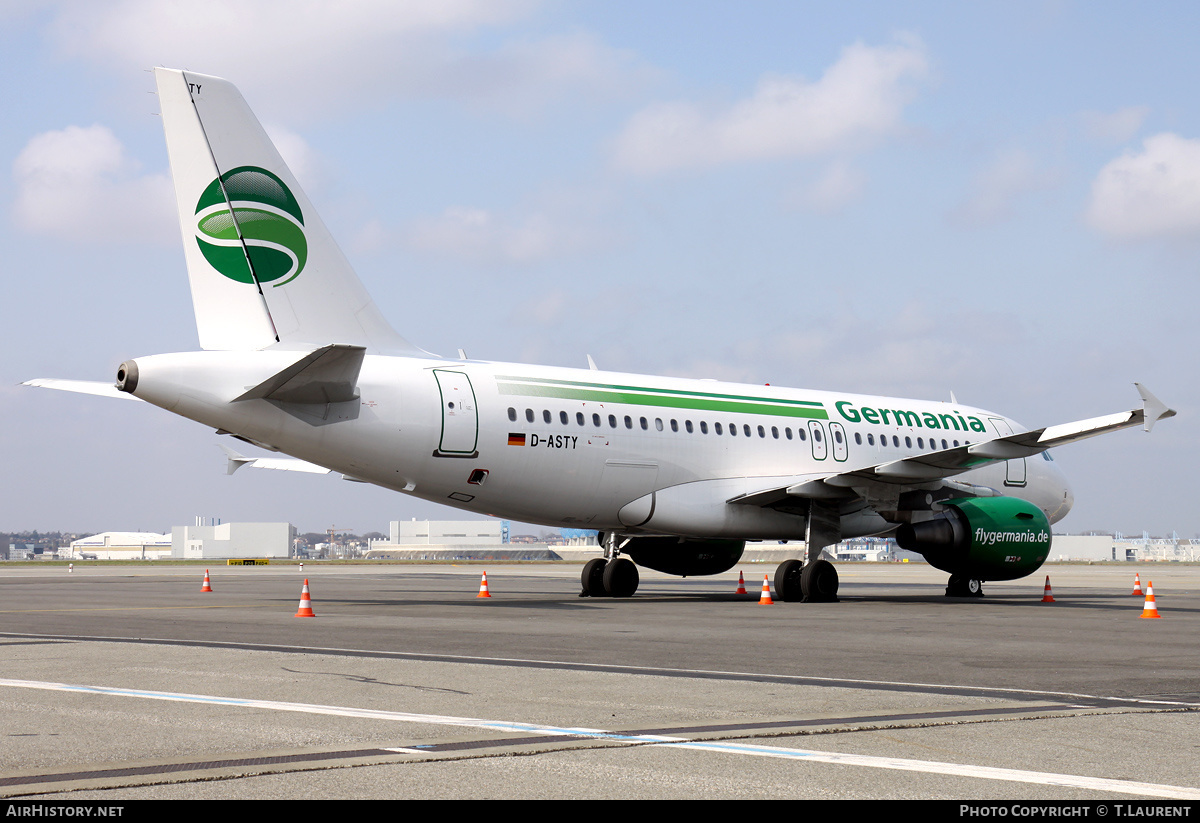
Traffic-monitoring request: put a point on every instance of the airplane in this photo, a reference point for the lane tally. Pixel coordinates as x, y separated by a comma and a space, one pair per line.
675, 474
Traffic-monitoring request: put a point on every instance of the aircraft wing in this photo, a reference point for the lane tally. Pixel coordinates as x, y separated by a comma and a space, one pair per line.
931, 467
82, 387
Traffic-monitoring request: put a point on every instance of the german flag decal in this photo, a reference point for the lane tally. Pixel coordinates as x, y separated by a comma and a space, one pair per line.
516, 439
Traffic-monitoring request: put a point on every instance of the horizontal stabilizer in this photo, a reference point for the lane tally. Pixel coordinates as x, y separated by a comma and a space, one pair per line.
290, 464
327, 375
81, 387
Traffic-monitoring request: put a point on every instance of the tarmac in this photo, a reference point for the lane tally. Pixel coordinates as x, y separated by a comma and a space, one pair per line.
128, 682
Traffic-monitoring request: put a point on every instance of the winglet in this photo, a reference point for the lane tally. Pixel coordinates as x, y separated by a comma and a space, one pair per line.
1153, 409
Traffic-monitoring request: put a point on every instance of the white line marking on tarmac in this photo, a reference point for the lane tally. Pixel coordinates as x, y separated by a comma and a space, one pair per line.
930, 767
651, 670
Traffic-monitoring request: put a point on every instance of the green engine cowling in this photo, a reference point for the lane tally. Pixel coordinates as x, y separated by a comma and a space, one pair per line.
990, 538
687, 557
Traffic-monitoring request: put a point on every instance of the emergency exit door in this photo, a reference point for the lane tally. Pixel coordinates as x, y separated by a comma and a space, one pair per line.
460, 418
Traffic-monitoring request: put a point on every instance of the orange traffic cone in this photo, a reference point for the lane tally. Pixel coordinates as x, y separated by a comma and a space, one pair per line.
1048, 597
483, 589
1150, 610
765, 599
741, 584
206, 587
305, 609
1137, 585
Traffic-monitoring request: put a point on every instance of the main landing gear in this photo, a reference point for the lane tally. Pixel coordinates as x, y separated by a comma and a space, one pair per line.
611, 575
962, 586
817, 580
812, 582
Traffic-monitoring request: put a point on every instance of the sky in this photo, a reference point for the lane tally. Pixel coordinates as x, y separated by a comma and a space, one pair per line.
995, 199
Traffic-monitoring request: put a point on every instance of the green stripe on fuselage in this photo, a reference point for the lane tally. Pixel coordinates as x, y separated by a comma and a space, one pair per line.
668, 398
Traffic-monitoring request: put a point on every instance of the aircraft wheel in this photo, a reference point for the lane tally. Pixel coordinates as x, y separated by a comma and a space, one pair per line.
787, 581
819, 582
620, 578
963, 586
592, 578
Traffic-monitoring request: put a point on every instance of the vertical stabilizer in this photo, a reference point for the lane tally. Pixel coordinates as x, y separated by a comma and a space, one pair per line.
263, 268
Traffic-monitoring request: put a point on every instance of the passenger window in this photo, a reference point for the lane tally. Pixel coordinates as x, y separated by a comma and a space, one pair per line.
746, 429
857, 438
788, 432
674, 425
612, 420
704, 427
529, 415
762, 432
775, 432
908, 442
801, 434
512, 414
687, 424
596, 420
716, 427
644, 425
578, 418
628, 422
546, 415
658, 424
562, 418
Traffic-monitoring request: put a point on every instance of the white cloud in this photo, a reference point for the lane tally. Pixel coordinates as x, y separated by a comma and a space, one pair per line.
837, 187
921, 351
1149, 194
995, 190
479, 235
312, 56
859, 99
1118, 126
79, 184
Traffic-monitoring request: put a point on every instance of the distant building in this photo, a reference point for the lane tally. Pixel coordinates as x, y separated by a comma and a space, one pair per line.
446, 532
1094, 547
232, 540
121, 546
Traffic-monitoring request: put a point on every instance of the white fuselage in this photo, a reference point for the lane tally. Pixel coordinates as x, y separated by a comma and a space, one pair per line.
589, 449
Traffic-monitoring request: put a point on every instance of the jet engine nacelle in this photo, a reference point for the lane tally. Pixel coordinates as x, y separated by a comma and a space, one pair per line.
684, 556
995, 538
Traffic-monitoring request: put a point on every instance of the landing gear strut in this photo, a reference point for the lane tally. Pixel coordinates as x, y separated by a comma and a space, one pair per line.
817, 580
611, 575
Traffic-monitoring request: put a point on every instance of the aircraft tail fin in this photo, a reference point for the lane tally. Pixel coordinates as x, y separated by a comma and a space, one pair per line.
263, 268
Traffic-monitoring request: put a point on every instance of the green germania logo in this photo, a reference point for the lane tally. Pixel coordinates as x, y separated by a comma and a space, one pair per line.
268, 218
